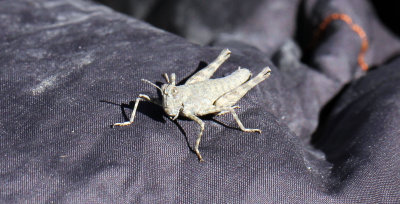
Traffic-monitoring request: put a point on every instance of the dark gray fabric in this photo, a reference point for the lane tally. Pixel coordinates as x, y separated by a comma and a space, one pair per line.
268, 24
67, 68
361, 136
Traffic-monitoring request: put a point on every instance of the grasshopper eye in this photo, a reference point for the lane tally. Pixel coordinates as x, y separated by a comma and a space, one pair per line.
174, 91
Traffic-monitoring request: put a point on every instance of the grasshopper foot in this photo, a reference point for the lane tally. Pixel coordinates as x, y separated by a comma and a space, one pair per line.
122, 124
199, 155
251, 130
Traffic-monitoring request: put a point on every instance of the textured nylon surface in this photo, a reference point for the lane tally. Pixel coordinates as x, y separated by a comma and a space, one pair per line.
66, 67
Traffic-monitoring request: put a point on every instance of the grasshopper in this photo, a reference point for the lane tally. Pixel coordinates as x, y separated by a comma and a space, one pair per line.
201, 95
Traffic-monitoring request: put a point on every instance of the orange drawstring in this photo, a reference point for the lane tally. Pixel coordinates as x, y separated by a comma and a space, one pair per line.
356, 28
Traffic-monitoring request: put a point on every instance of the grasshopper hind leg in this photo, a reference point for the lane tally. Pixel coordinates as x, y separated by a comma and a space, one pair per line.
233, 96
208, 71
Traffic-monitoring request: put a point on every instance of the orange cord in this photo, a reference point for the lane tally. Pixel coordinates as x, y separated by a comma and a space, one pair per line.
356, 28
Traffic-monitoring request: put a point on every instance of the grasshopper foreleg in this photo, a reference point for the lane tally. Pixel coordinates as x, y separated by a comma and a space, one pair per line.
138, 99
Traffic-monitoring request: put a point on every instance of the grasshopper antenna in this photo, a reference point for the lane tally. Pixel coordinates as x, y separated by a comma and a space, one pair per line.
173, 79
151, 83
165, 75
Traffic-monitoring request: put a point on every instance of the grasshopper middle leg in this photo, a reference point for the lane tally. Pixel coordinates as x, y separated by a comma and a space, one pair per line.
223, 110
215, 109
201, 123
241, 126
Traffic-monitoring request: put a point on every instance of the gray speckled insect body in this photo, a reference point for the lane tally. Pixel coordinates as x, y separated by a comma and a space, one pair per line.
201, 95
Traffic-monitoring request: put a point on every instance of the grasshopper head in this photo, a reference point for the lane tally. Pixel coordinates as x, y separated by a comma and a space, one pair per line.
171, 100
